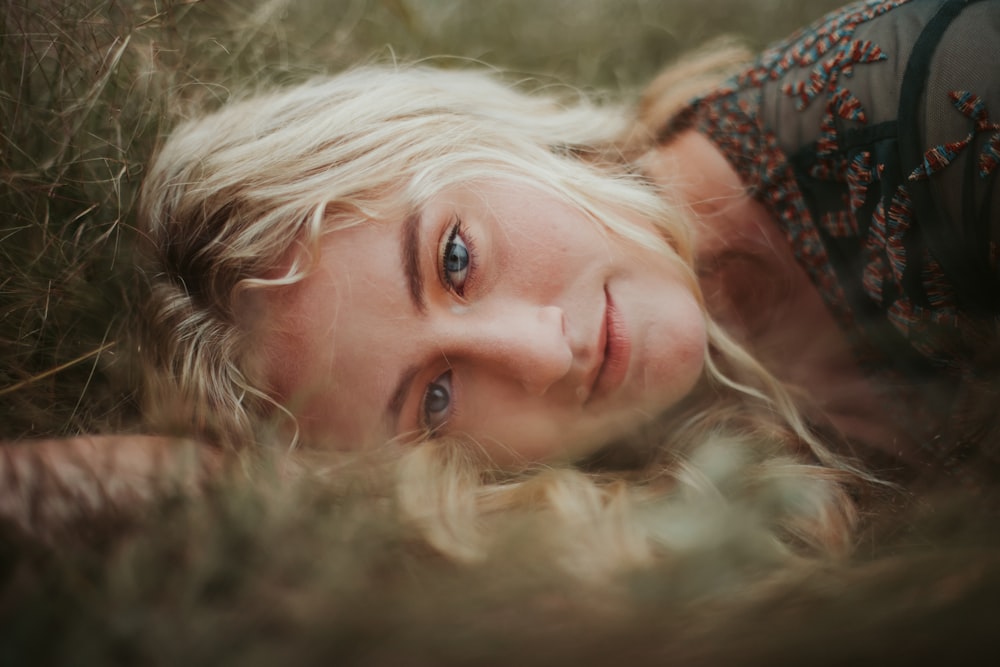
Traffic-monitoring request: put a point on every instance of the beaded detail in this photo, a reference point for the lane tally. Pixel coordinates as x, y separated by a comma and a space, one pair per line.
907, 270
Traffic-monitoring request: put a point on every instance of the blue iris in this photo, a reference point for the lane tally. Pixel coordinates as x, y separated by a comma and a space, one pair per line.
456, 256
437, 399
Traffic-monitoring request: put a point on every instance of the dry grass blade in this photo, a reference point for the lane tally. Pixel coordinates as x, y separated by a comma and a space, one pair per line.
58, 369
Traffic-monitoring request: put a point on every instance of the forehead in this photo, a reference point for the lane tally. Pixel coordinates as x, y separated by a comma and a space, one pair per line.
334, 338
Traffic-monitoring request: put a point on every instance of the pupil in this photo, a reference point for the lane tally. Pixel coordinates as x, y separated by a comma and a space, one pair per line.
458, 258
437, 398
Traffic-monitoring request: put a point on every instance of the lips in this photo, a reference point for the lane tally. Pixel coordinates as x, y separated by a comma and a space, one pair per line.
616, 347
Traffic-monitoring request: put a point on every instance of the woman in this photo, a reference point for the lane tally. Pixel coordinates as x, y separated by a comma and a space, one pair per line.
488, 280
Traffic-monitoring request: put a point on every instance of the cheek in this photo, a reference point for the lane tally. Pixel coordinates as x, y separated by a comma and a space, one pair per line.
530, 438
549, 255
510, 429
677, 348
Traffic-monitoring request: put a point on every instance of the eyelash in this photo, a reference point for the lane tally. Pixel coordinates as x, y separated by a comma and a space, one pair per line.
446, 380
458, 232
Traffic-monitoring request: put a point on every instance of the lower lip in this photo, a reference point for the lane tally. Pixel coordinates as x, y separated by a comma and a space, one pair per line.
617, 350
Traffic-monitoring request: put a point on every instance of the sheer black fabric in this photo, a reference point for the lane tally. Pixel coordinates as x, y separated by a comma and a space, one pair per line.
873, 137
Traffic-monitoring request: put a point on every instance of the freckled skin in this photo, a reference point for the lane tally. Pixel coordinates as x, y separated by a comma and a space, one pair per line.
521, 346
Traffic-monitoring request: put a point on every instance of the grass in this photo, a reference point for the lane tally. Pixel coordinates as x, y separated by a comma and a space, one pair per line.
310, 574
88, 87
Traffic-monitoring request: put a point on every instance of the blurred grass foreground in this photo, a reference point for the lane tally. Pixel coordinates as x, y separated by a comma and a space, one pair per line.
310, 574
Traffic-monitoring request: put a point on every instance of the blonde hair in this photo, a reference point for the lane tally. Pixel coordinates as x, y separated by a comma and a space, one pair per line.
232, 194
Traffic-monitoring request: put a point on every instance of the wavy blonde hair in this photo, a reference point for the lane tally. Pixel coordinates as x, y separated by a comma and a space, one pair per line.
231, 194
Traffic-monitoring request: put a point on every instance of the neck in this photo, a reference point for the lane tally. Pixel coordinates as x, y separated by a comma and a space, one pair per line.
760, 294
745, 267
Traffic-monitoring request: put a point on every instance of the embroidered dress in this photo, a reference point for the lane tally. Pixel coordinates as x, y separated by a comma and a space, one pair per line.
873, 137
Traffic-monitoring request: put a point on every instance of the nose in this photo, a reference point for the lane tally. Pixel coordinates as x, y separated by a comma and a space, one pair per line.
525, 342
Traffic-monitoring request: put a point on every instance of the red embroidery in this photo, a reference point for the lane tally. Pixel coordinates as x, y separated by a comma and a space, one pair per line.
939, 157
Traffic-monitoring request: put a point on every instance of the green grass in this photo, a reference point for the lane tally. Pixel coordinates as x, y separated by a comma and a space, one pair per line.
88, 87
253, 574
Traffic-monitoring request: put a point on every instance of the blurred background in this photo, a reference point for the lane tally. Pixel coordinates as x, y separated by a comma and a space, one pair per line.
88, 87
245, 575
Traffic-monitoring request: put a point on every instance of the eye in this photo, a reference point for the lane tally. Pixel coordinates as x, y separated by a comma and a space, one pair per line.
437, 404
456, 260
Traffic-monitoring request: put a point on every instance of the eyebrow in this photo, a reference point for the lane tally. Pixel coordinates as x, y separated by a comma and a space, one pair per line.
395, 406
410, 251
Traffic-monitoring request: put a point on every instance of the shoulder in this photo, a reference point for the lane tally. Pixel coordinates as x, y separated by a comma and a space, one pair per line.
953, 84
847, 69
836, 80
949, 139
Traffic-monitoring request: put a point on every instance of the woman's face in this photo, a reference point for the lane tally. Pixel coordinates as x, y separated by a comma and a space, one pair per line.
496, 313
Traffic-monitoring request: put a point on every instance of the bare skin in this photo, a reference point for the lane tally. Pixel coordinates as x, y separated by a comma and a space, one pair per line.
46, 483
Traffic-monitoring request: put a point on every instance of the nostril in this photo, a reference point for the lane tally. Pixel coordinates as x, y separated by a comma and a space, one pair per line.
554, 315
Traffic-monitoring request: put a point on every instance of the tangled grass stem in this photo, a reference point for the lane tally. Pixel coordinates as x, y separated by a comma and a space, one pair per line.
58, 369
